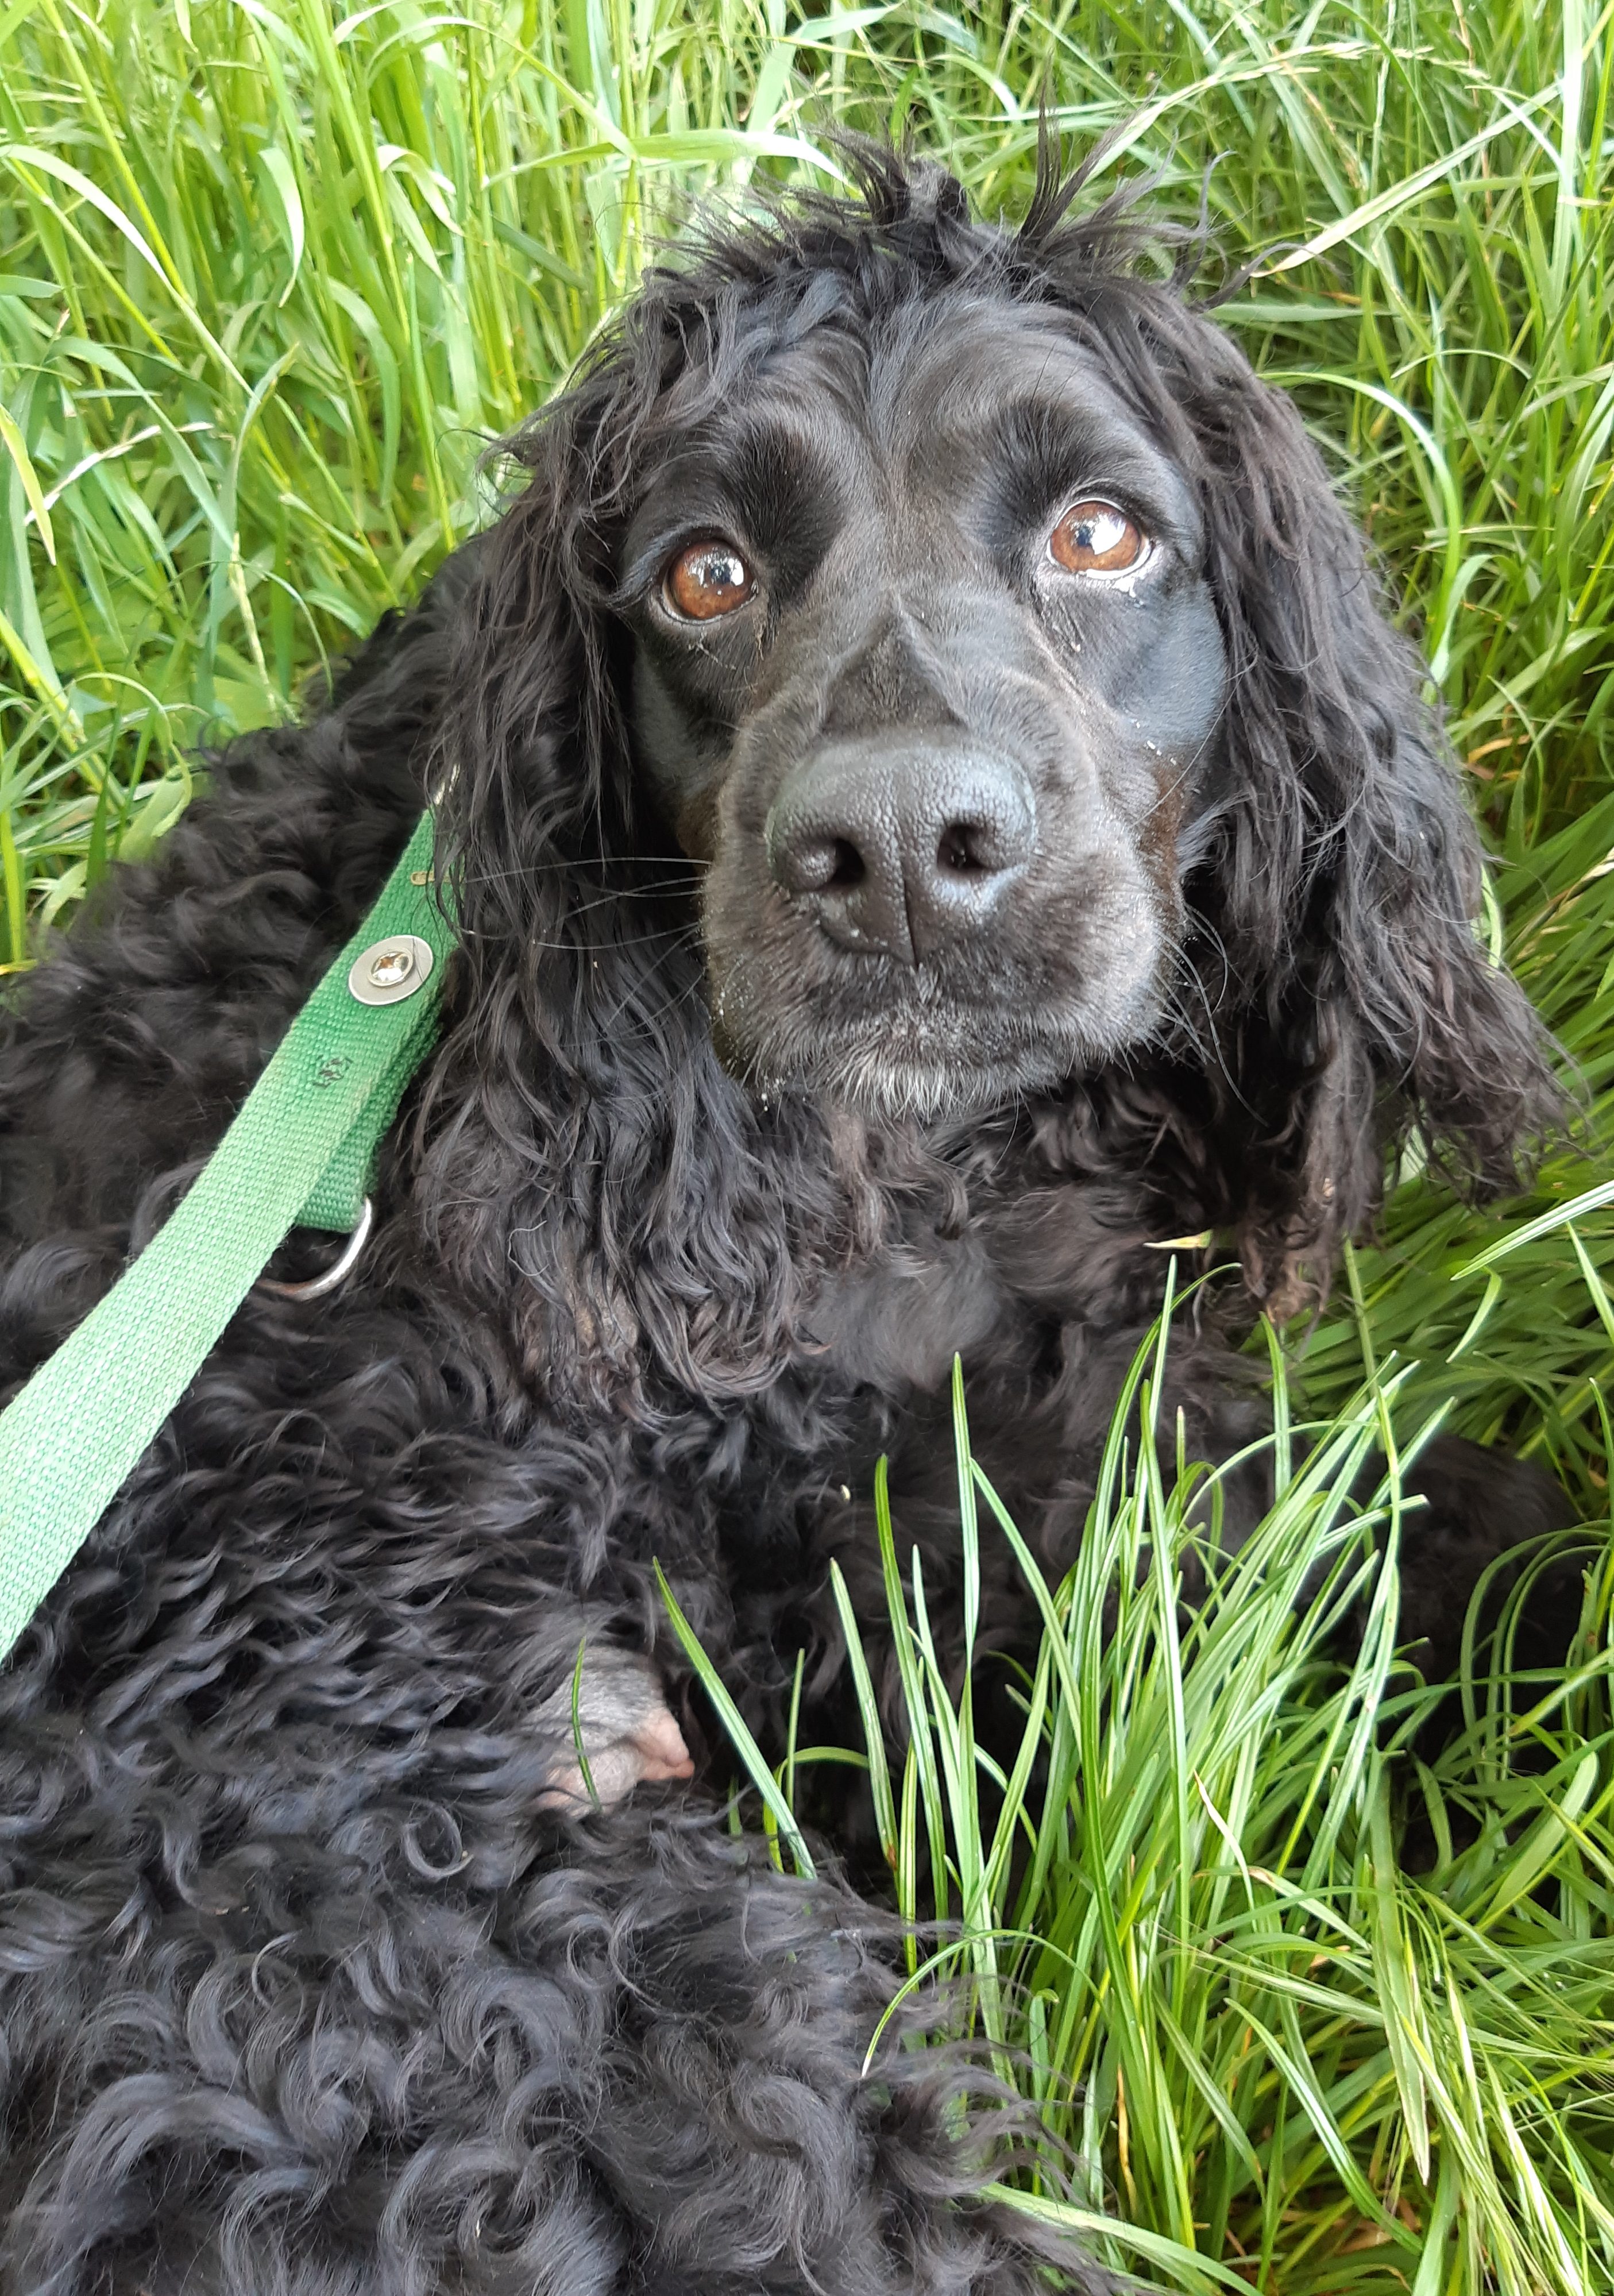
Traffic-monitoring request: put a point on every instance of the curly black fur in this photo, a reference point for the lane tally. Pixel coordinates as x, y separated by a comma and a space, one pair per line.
309, 1980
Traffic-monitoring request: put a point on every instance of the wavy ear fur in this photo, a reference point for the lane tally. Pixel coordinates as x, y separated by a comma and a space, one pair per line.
1344, 877
591, 1173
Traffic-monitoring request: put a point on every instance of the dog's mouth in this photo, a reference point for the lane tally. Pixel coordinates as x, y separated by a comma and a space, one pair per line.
924, 1053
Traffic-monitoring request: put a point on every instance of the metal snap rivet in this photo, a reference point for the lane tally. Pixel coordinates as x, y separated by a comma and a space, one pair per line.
390, 970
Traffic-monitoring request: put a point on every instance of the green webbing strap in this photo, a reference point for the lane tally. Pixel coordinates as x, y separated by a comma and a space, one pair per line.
299, 1150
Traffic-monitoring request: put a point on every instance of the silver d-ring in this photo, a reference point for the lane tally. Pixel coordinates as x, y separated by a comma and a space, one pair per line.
317, 1286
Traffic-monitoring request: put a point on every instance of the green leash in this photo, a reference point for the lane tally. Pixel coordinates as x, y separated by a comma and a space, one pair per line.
299, 1152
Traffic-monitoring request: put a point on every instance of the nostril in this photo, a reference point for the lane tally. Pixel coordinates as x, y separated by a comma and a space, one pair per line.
961, 850
824, 865
849, 868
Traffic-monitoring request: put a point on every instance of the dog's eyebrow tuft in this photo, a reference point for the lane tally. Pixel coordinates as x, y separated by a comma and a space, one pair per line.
761, 474
1050, 443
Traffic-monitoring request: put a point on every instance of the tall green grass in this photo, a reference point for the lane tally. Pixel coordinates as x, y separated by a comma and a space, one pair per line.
270, 276
1283, 2059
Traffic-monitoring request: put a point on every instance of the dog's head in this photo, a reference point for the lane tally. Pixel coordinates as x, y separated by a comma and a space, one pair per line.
950, 621
927, 669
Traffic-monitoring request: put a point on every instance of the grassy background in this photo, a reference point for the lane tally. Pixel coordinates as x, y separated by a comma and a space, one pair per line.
270, 276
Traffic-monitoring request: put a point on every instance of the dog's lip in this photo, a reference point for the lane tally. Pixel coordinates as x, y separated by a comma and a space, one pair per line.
995, 996
983, 977
928, 1027
951, 1037
893, 1001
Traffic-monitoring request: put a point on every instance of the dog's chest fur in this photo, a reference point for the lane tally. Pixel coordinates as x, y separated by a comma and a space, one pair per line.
1000, 1284
1018, 1274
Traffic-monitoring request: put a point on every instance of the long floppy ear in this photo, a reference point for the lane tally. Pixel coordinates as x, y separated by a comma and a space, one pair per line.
1342, 878
590, 1172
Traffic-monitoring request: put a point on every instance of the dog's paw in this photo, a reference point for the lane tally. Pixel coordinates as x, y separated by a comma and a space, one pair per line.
618, 1731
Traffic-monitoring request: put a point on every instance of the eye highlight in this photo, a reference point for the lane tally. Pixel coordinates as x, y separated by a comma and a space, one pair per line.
1095, 537
707, 580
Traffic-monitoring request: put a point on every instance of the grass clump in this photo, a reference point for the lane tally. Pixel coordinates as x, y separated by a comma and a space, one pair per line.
1280, 2059
271, 276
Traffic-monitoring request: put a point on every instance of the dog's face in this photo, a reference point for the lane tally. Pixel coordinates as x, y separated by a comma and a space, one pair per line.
964, 601
929, 672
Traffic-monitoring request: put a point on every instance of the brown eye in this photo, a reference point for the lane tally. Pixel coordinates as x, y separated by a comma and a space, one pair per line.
707, 580
1095, 537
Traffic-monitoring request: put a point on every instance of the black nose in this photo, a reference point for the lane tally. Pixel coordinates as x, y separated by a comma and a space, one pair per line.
898, 851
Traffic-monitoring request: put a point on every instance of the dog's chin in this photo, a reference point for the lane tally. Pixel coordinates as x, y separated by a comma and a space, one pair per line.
899, 1075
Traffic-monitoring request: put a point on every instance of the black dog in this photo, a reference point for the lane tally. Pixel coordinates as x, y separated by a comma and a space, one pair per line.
933, 810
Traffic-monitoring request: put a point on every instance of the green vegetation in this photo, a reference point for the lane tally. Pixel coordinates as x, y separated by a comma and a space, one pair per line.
1267, 2048
271, 276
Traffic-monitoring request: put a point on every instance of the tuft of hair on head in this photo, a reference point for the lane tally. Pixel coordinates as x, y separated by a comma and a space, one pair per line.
899, 189
1060, 240
905, 228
